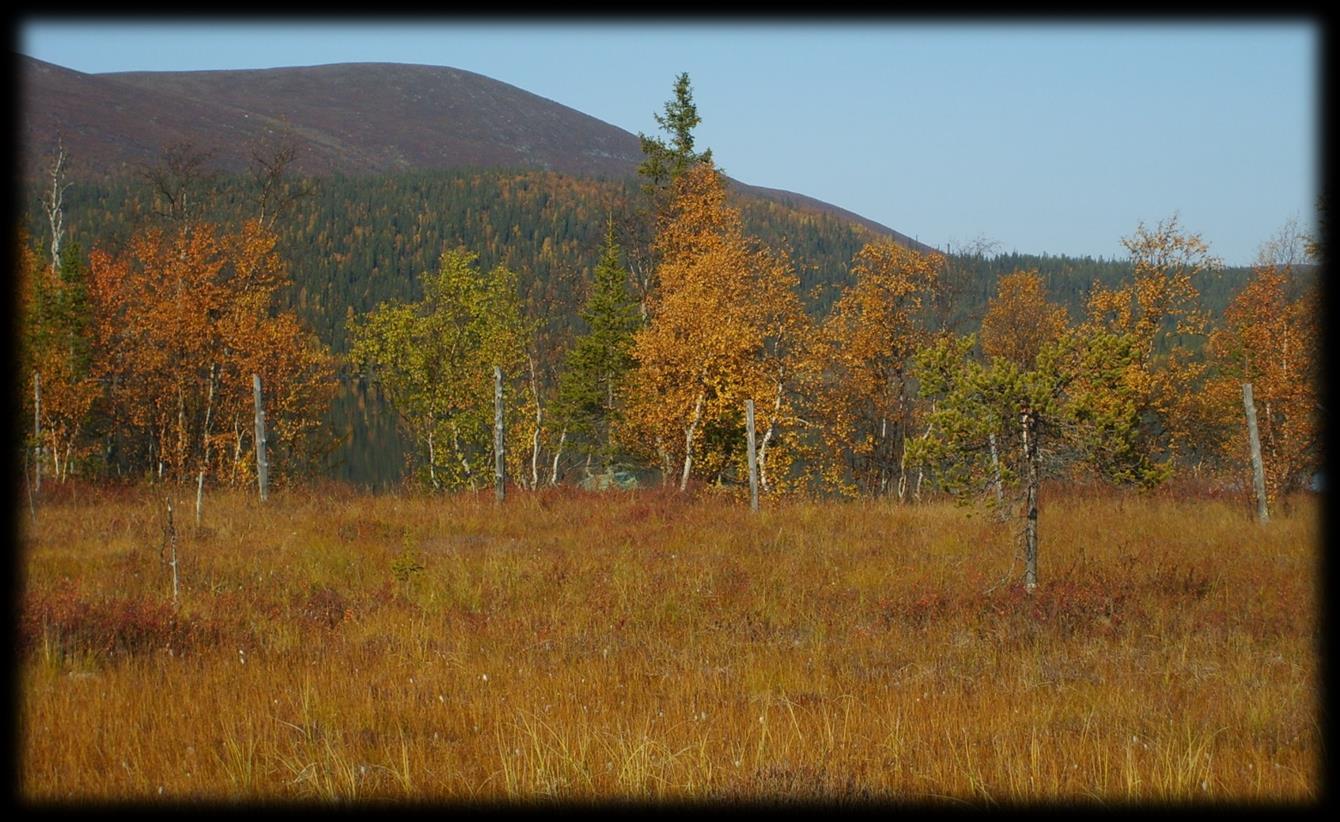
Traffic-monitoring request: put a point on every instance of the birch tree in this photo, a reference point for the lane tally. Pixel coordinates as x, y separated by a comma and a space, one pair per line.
724, 327
1270, 339
435, 359
861, 397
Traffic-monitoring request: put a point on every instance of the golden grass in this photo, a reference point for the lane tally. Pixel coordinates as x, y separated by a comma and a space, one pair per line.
647, 647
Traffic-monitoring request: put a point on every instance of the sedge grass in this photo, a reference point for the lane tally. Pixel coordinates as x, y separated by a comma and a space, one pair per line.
645, 646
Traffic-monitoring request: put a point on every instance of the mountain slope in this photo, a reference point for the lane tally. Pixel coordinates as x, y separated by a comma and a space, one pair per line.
351, 119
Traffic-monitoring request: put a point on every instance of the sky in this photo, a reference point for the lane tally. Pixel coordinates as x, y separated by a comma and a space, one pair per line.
1039, 137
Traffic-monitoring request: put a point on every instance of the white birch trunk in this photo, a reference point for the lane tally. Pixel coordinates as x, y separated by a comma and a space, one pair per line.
688, 441
553, 473
1028, 424
262, 463
753, 456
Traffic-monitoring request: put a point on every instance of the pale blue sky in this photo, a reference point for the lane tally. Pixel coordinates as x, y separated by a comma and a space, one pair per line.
1044, 137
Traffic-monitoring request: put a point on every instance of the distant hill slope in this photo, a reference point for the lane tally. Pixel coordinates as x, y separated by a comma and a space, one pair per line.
352, 119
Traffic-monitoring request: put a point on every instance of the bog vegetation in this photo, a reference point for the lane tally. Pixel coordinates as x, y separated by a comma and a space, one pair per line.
588, 646
862, 636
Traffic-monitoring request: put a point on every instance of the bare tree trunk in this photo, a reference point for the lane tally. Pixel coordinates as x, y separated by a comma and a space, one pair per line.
171, 536
902, 472
553, 474
753, 457
767, 437
883, 466
32, 508
37, 430
1258, 469
432, 460
237, 449
54, 203
499, 480
1029, 426
688, 441
535, 438
262, 463
921, 469
995, 468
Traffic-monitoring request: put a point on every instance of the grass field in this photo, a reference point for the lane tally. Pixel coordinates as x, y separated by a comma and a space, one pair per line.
644, 646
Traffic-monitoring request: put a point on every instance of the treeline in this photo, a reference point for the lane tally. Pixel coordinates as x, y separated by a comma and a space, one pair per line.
630, 323
357, 242
360, 277
354, 243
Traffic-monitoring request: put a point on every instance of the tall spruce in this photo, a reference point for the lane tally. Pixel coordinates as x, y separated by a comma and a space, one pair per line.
591, 386
665, 162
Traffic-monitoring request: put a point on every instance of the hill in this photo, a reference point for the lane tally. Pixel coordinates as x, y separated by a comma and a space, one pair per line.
351, 119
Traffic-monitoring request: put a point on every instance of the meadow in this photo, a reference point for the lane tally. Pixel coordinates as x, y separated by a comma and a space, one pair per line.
647, 646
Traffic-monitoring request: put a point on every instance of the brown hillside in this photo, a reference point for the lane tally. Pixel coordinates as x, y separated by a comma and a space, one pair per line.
350, 118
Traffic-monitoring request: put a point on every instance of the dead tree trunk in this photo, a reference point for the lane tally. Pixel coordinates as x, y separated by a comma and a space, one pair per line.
170, 537
753, 456
37, 431
262, 463
539, 421
767, 438
1029, 425
995, 469
499, 478
1258, 469
54, 203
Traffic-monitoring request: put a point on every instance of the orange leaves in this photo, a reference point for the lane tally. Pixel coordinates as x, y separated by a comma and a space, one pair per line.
1020, 320
1160, 308
724, 322
183, 318
1271, 341
858, 362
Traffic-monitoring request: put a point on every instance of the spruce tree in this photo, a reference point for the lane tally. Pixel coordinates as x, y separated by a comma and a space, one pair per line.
665, 162
590, 387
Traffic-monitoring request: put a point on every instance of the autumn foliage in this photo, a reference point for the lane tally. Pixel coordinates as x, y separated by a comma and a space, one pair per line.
1271, 339
160, 378
860, 397
1020, 320
724, 327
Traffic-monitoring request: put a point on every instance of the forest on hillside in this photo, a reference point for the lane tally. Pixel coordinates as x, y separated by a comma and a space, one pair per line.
353, 243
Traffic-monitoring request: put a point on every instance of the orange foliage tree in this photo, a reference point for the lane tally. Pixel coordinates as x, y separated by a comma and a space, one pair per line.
183, 318
1019, 321
1160, 308
54, 355
858, 395
1271, 341
724, 326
